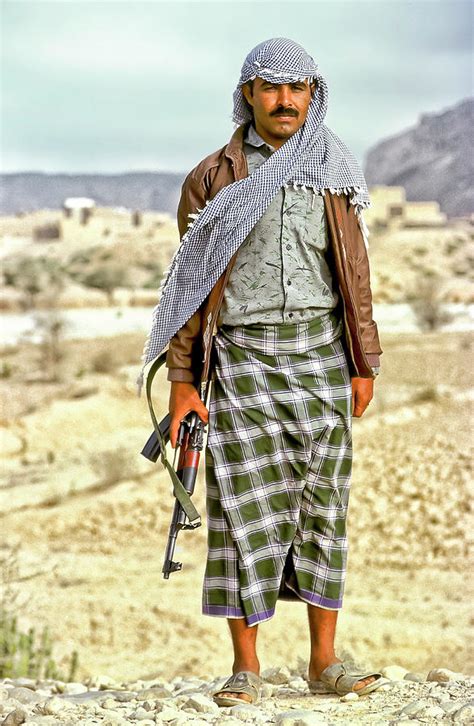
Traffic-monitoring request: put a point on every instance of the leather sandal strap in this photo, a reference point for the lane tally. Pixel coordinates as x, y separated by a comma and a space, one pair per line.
243, 682
346, 683
332, 674
337, 677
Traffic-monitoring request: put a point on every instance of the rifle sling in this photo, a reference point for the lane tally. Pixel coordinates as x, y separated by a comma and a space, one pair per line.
178, 489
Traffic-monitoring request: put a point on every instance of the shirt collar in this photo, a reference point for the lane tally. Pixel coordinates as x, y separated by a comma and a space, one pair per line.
254, 139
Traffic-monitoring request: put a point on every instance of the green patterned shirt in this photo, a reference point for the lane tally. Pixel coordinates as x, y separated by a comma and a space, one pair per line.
281, 274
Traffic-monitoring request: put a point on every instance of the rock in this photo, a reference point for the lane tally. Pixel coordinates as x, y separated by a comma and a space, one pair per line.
74, 688
102, 682
413, 708
15, 718
415, 677
442, 675
394, 672
268, 690
24, 695
123, 696
348, 697
109, 703
24, 681
465, 714
140, 714
300, 718
4, 694
154, 692
450, 707
53, 706
247, 712
200, 703
298, 684
11, 443
171, 714
98, 696
277, 676
433, 712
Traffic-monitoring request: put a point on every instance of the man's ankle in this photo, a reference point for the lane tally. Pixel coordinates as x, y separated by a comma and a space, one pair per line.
249, 664
319, 661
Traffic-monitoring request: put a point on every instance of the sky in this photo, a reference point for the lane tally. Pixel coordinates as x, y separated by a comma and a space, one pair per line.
108, 87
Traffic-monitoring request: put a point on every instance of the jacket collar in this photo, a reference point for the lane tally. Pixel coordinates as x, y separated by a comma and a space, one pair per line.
235, 148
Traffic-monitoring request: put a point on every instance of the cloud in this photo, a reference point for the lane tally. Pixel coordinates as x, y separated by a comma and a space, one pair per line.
99, 84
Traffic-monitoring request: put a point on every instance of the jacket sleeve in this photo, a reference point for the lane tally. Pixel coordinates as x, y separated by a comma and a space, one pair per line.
180, 354
370, 336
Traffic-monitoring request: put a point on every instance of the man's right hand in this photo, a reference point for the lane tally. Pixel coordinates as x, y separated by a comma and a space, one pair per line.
183, 399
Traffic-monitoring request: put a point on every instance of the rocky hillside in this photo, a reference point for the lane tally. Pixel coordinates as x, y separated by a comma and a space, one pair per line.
433, 160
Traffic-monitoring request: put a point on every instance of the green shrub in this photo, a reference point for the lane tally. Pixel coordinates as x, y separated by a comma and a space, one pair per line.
21, 655
154, 280
107, 278
47, 231
5, 369
103, 362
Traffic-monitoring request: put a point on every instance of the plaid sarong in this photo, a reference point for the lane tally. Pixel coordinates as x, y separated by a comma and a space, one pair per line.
278, 466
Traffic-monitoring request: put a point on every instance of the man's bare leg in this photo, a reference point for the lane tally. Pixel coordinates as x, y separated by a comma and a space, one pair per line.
244, 640
322, 628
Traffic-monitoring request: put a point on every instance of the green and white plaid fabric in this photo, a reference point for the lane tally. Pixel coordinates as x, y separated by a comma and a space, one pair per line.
278, 467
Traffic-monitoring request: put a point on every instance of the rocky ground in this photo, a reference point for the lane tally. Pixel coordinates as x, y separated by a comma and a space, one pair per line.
407, 698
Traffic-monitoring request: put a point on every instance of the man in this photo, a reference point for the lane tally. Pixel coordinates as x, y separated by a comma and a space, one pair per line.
269, 295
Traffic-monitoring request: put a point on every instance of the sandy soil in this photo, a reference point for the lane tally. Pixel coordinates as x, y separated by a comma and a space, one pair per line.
90, 516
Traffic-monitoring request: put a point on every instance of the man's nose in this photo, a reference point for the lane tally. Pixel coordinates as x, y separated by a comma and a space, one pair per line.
284, 95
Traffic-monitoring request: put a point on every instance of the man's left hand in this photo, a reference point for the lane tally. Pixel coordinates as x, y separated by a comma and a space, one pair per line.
362, 393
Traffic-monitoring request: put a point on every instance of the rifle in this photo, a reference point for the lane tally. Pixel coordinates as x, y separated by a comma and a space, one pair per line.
190, 444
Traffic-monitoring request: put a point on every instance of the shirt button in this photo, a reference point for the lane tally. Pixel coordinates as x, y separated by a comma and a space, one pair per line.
288, 247
290, 315
288, 282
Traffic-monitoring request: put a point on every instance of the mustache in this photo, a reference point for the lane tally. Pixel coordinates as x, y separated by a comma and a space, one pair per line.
286, 111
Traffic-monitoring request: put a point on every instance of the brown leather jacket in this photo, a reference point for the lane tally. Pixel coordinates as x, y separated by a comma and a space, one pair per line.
189, 356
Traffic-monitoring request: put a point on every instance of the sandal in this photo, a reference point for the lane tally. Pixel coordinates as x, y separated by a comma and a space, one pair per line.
336, 679
242, 682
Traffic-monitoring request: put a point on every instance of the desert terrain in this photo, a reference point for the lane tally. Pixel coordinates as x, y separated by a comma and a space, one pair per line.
84, 516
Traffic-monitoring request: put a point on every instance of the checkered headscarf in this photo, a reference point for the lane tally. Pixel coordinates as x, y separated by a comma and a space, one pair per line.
313, 157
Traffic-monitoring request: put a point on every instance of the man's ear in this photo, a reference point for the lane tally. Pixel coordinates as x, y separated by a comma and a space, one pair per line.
247, 94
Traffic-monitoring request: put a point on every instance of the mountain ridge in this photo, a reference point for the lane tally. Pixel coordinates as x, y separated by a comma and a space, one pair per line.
431, 160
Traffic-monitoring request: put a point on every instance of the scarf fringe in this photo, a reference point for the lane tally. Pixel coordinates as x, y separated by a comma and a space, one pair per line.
363, 226
167, 276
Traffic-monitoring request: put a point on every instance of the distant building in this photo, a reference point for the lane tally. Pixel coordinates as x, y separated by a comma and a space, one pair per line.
78, 207
390, 209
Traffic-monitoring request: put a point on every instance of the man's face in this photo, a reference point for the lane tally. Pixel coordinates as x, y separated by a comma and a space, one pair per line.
279, 109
